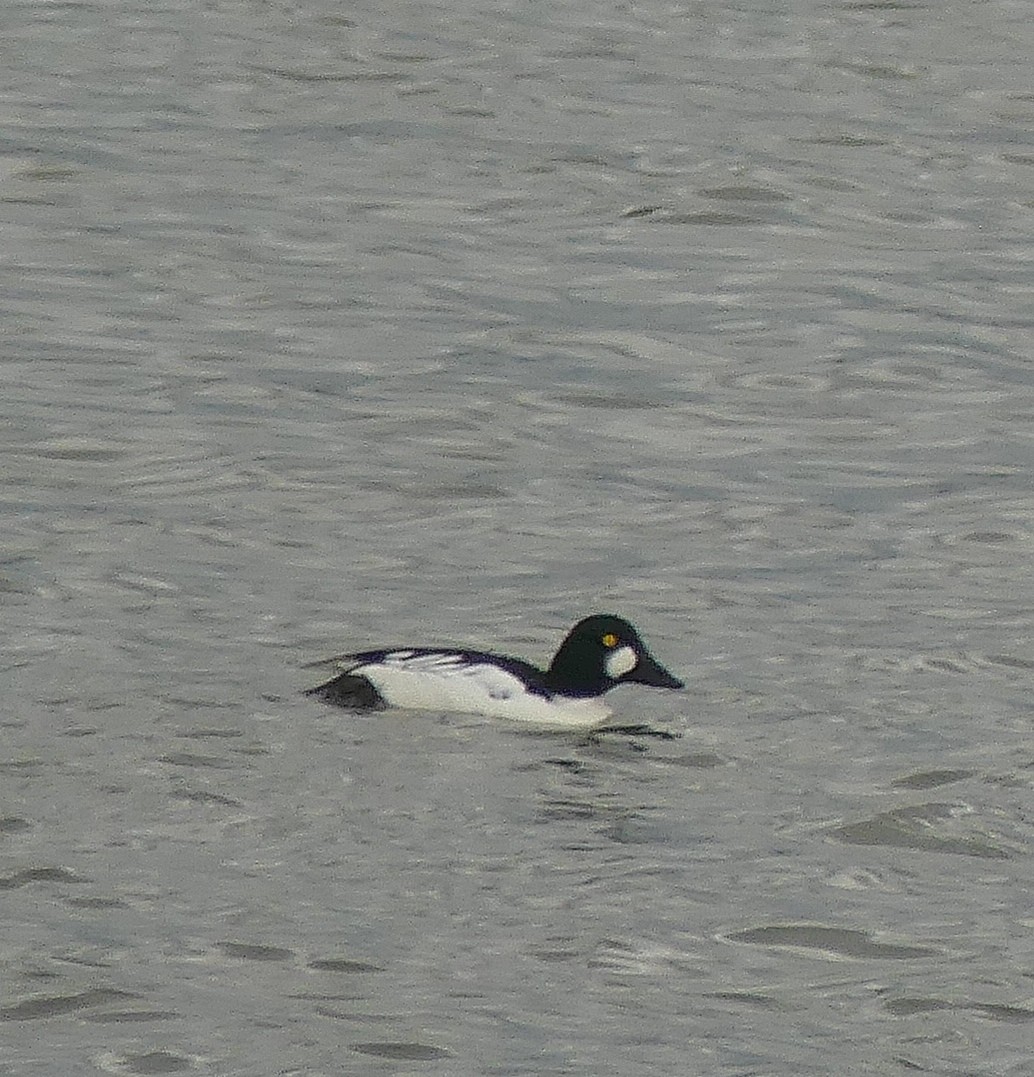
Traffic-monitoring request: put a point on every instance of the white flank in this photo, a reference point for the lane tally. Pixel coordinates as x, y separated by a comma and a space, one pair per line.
446, 682
620, 662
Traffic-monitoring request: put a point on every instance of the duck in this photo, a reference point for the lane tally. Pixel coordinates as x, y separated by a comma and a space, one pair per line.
599, 653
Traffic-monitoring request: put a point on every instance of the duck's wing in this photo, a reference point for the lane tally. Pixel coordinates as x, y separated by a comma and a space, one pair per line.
445, 662
345, 662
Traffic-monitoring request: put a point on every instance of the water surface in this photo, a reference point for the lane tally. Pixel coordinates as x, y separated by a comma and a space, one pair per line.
330, 327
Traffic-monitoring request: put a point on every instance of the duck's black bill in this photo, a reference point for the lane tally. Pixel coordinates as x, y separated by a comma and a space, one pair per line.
651, 672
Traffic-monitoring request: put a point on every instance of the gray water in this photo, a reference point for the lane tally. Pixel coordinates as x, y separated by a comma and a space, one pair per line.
326, 326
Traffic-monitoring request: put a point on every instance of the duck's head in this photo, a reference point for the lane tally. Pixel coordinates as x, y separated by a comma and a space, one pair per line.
602, 651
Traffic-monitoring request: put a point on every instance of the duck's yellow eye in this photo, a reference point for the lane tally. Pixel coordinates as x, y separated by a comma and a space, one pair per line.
609, 639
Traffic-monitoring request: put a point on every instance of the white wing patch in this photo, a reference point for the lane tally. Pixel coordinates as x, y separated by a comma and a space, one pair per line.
452, 682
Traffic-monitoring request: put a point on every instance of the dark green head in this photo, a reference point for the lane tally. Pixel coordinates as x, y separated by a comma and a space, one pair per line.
600, 652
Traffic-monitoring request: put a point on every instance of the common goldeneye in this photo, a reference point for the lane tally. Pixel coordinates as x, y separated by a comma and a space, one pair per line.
599, 652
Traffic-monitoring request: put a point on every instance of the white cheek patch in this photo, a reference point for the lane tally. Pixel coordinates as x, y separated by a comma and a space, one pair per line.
620, 662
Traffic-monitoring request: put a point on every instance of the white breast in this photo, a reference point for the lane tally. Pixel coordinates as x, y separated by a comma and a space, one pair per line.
447, 682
